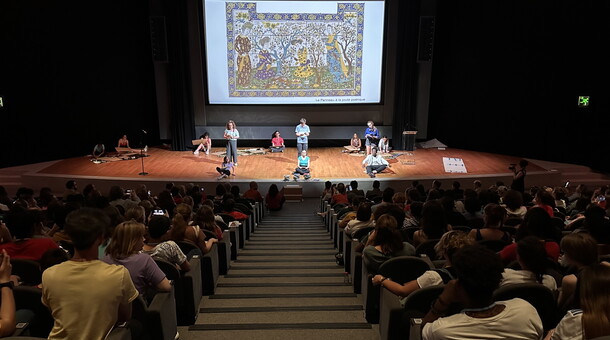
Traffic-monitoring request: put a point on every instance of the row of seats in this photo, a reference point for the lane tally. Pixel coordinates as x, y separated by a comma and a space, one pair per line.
158, 318
383, 307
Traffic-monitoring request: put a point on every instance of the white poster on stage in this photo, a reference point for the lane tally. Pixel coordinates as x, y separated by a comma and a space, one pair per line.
454, 165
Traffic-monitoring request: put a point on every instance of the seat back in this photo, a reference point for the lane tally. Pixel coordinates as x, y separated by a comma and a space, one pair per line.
403, 269
493, 245
537, 295
360, 233
188, 247
463, 228
30, 298
159, 318
27, 270
209, 234
407, 233
227, 218
513, 221
427, 248
475, 223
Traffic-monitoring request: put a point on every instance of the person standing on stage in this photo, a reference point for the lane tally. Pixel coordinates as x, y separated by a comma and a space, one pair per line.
302, 132
374, 163
231, 135
371, 134
518, 183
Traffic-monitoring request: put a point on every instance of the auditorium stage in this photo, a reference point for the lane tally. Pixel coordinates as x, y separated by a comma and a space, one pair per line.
326, 164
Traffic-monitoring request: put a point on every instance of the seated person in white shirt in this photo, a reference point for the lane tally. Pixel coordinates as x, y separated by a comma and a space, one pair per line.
479, 273
374, 163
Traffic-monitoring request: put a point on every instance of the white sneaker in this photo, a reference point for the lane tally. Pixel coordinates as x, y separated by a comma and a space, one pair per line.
196, 153
374, 171
235, 164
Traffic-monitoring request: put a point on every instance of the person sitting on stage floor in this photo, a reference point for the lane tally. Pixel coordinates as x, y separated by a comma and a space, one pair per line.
225, 169
354, 144
302, 165
123, 142
384, 145
371, 134
253, 193
205, 145
277, 142
374, 163
98, 150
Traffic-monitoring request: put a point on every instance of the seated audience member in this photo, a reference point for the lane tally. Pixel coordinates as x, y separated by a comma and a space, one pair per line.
25, 199
87, 297
536, 222
5, 201
534, 263
71, 189
399, 199
472, 207
363, 219
493, 218
340, 197
449, 206
166, 202
125, 249
354, 144
7, 300
228, 207
274, 200
253, 193
386, 198
384, 243
413, 216
456, 192
182, 231
277, 142
206, 220
479, 272
375, 191
592, 319
328, 191
433, 223
596, 223
446, 247
513, 203
579, 251
354, 188
20, 223
159, 248
546, 201
137, 214
118, 196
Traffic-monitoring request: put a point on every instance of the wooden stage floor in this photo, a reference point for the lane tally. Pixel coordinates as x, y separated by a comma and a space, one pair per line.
326, 164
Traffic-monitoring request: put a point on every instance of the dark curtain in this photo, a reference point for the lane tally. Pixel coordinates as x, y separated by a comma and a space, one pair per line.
179, 78
406, 14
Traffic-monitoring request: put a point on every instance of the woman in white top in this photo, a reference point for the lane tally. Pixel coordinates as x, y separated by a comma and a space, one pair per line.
533, 260
592, 320
231, 135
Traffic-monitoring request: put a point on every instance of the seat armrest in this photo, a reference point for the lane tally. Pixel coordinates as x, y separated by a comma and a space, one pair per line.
162, 312
416, 325
120, 332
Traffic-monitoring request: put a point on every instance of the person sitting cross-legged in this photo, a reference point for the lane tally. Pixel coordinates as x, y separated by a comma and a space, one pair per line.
374, 163
86, 296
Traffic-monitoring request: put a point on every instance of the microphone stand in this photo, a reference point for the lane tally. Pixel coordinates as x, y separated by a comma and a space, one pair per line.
143, 173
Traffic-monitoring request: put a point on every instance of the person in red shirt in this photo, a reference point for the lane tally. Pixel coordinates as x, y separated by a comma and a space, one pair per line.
228, 207
21, 225
340, 197
277, 142
253, 193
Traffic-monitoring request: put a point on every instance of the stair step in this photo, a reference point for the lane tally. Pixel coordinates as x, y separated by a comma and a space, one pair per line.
282, 296
280, 309
248, 326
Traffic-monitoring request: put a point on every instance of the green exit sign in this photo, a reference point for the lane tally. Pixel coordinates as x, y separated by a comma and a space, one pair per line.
583, 101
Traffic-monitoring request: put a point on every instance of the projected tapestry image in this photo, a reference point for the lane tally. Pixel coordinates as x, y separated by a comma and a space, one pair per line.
294, 54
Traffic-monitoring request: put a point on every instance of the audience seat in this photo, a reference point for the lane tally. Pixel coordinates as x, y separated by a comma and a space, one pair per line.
400, 269
493, 245
158, 319
407, 233
537, 295
427, 248
463, 228
513, 221
27, 270
475, 223
209, 266
187, 289
29, 298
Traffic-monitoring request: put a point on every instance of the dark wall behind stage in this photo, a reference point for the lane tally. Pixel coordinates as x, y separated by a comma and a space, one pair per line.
72, 73
507, 76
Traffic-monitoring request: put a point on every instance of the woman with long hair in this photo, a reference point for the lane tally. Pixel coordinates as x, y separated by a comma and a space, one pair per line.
579, 251
277, 142
534, 264
592, 320
433, 223
384, 243
231, 135
182, 231
493, 217
206, 219
125, 249
205, 145
274, 200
